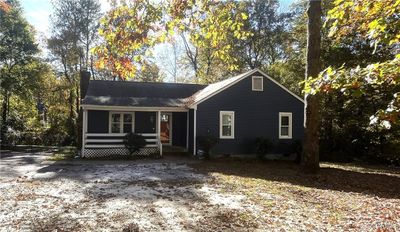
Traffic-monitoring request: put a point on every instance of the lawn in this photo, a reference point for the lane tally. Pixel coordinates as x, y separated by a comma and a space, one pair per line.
186, 195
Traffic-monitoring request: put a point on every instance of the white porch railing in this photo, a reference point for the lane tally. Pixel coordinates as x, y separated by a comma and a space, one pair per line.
99, 141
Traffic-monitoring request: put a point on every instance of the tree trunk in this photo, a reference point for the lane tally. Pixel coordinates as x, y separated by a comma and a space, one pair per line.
4, 111
312, 119
4, 107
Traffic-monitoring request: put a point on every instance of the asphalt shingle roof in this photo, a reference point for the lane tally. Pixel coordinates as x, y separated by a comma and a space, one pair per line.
141, 94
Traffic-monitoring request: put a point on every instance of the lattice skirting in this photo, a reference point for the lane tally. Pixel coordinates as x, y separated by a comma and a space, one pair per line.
118, 152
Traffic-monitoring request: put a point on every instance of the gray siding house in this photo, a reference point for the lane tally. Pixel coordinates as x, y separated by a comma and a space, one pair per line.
236, 111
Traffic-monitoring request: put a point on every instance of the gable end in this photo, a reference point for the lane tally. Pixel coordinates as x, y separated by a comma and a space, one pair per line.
194, 105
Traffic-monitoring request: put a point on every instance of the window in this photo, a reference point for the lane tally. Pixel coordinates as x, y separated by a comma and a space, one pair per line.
227, 124
257, 83
285, 125
121, 122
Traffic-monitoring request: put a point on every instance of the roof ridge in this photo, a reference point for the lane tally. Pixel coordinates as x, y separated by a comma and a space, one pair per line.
148, 82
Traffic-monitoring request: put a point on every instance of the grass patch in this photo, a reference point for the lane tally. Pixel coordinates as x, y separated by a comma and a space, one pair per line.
64, 153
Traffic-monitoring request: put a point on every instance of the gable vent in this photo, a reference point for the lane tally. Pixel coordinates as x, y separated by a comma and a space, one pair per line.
257, 83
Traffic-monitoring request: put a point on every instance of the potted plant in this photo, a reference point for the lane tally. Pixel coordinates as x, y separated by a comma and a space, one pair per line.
205, 143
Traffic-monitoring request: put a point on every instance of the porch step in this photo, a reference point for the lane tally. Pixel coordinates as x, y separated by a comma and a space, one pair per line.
174, 150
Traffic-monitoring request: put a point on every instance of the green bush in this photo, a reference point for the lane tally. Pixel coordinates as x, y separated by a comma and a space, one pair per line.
206, 143
134, 142
263, 147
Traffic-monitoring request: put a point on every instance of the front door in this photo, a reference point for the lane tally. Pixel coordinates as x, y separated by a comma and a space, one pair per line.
166, 128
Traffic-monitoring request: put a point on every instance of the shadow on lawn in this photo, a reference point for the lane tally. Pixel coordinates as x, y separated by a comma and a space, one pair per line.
140, 181
381, 183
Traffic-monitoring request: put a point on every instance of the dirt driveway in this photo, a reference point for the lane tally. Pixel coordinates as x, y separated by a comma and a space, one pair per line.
186, 195
100, 195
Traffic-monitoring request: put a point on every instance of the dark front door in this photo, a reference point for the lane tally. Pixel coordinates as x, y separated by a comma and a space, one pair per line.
166, 128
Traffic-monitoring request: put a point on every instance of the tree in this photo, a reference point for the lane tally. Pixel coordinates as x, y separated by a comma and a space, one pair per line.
376, 22
269, 34
128, 30
74, 23
17, 48
131, 30
311, 142
149, 73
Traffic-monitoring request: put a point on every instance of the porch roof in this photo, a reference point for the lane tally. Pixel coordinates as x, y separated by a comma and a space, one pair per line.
139, 94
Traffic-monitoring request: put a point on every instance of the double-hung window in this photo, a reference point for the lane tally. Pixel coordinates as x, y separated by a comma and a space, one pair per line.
227, 124
285, 125
121, 122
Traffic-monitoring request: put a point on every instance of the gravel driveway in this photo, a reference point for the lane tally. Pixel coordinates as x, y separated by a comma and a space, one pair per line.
107, 196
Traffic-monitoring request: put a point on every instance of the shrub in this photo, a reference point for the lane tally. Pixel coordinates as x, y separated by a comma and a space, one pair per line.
206, 143
263, 146
134, 142
297, 148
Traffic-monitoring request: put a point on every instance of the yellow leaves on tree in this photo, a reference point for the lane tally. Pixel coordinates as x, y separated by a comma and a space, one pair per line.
130, 30
377, 21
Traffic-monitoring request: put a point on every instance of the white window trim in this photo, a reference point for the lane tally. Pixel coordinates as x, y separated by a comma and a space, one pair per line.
121, 123
288, 114
262, 83
232, 136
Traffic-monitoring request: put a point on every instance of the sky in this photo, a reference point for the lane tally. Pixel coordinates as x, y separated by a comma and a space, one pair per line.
37, 12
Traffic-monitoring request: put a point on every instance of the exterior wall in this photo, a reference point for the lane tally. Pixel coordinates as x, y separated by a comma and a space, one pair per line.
97, 121
179, 125
256, 115
145, 122
191, 122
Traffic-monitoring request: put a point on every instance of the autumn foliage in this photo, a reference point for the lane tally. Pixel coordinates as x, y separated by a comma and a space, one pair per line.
376, 21
131, 29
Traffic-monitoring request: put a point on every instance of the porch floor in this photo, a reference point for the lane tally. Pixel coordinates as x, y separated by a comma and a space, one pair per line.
174, 150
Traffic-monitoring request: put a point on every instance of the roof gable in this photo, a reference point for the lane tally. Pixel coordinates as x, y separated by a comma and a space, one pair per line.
218, 87
148, 94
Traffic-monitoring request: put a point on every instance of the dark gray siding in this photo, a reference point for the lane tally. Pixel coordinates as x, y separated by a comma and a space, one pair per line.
179, 124
97, 121
191, 121
256, 114
145, 122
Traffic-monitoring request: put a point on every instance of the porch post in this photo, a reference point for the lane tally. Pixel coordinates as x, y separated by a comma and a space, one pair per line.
84, 131
159, 130
194, 129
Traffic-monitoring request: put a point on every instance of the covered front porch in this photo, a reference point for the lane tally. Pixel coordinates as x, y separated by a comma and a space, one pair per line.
104, 128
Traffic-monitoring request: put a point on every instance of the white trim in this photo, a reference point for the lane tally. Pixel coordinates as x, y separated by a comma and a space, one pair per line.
84, 130
114, 145
133, 108
262, 83
104, 140
232, 114
159, 131
194, 129
290, 126
116, 134
241, 78
121, 122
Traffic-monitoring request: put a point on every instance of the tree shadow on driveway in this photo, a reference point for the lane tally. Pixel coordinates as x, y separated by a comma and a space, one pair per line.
384, 183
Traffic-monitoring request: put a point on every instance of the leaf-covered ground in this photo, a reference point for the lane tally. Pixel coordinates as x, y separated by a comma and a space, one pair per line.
341, 197
182, 195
